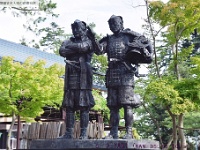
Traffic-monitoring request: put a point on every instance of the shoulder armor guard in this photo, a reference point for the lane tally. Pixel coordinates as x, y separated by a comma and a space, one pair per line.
105, 38
130, 32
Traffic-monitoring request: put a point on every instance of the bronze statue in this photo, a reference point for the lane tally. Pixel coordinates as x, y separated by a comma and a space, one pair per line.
125, 50
78, 51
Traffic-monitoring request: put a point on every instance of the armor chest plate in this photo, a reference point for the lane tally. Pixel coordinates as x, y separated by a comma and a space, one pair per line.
116, 47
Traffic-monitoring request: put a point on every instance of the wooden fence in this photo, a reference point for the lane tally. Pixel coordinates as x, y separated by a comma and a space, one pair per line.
51, 130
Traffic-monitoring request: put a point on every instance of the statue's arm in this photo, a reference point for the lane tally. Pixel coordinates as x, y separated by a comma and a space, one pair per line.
69, 48
65, 50
85, 46
102, 46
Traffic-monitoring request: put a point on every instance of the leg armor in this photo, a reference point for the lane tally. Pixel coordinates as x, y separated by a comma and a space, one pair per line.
69, 124
128, 116
84, 119
114, 122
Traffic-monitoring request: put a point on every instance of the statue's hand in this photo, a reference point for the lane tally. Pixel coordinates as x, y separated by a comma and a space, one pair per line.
90, 33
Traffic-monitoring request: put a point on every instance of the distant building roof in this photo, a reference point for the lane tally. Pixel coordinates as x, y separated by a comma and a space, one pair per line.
21, 53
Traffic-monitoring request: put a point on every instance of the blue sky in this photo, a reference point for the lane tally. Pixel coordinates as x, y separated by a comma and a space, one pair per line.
97, 11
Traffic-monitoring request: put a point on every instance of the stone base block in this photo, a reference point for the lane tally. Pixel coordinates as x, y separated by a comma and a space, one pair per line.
92, 144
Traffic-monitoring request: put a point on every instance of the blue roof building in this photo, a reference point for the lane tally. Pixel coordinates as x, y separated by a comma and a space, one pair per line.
21, 53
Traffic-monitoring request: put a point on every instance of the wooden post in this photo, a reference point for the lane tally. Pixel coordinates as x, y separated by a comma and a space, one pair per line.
18, 132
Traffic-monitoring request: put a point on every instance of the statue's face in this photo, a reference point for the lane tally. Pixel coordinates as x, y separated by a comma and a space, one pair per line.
115, 25
78, 30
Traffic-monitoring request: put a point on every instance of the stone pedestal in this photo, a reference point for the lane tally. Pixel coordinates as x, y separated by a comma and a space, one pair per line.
92, 144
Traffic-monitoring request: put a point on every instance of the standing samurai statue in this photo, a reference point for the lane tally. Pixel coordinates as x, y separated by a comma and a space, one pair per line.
125, 50
78, 51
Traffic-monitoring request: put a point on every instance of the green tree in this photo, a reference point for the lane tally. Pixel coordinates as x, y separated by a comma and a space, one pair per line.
26, 88
174, 88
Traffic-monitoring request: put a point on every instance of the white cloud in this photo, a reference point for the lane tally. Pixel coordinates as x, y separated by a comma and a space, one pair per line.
10, 27
99, 11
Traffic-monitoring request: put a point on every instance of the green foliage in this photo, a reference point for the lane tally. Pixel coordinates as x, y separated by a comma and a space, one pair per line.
196, 66
99, 100
100, 65
100, 105
148, 123
189, 89
192, 122
26, 88
162, 92
47, 6
52, 38
180, 17
178, 96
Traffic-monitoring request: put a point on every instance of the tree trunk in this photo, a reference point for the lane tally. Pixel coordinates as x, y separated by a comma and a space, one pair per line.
18, 131
174, 135
168, 144
10, 131
176, 62
181, 133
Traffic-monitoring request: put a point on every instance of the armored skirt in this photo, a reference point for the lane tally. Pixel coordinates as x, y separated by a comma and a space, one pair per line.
78, 87
78, 98
120, 84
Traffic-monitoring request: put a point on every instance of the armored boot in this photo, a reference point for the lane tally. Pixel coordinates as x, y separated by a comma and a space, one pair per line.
128, 117
83, 134
84, 119
129, 134
113, 133
69, 127
114, 121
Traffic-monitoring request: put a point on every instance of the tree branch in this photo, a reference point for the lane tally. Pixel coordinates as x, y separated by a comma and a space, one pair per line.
198, 128
154, 38
24, 9
138, 6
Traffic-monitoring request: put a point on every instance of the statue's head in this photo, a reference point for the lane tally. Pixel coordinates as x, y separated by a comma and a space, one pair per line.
78, 28
116, 23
